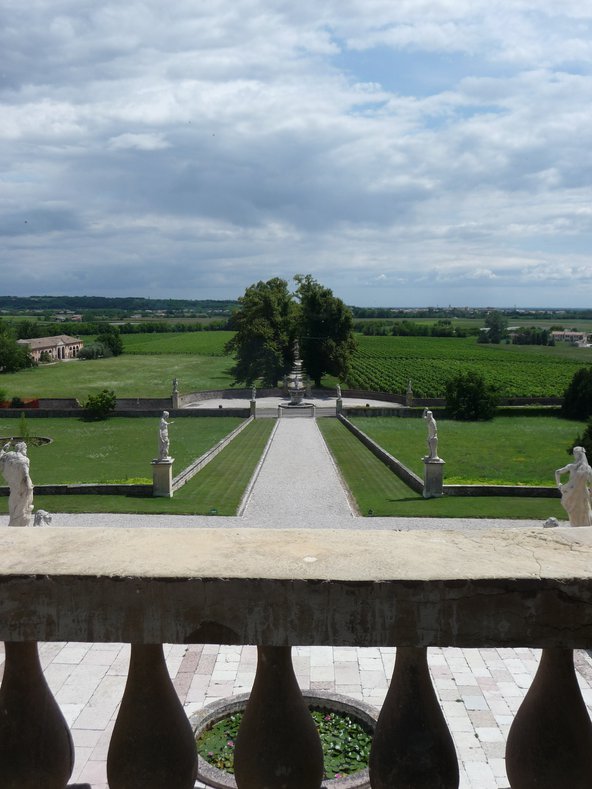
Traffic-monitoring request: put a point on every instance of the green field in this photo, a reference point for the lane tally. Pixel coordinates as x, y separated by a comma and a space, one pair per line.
129, 376
379, 492
216, 489
508, 450
387, 364
203, 343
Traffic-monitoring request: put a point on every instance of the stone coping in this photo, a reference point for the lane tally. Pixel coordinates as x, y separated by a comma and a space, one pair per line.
298, 554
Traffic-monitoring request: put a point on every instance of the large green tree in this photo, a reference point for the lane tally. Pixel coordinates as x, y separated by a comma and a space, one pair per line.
264, 324
12, 355
325, 329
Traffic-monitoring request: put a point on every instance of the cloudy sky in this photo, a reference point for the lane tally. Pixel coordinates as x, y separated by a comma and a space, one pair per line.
405, 153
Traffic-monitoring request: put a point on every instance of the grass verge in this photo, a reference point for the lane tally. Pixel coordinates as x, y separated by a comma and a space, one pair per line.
378, 491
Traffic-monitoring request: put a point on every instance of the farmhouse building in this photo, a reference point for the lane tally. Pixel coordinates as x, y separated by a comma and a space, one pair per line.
576, 337
61, 347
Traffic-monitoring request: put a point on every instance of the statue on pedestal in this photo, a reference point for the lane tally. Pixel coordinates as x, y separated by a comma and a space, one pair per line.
15, 469
575, 493
163, 437
432, 434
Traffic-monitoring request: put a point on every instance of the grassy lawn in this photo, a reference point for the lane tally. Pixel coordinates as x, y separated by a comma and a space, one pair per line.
378, 491
115, 450
509, 450
129, 375
219, 486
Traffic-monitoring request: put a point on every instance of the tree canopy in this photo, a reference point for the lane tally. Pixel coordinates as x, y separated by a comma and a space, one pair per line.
325, 329
270, 318
12, 355
265, 331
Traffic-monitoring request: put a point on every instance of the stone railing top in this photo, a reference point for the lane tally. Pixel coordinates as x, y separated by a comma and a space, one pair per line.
502, 587
298, 554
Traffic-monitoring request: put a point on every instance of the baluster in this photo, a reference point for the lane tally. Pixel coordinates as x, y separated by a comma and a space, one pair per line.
412, 747
277, 746
152, 746
35, 744
550, 741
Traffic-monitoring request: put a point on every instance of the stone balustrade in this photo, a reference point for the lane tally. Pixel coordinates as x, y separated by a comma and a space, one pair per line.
278, 588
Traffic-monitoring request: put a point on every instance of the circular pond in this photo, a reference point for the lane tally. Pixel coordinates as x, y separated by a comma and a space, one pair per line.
361, 713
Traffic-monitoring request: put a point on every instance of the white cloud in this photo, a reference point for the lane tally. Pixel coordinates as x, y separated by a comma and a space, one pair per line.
139, 142
374, 144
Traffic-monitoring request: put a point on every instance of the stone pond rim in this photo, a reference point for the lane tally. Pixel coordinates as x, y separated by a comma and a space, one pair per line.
332, 702
37, 441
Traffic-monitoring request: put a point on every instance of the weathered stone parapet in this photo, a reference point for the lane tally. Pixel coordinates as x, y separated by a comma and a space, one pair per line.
500, 587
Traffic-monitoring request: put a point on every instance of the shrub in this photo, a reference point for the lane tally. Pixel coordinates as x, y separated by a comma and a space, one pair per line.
99, 406
584, 440
469, 398
577, 398
95, 351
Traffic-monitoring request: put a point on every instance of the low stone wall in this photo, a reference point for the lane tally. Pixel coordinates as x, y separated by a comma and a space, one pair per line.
404, 473
93, 488
143, 403
360, 410
192, 469
523, 491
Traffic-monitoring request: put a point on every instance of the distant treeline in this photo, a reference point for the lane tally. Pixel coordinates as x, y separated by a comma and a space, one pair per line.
470, 312
121, 304
26, 330
406, 328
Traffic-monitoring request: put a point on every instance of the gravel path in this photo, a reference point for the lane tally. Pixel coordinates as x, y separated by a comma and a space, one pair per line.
297, 477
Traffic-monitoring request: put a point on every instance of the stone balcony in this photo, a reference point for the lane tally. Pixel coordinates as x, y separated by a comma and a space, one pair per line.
281, 588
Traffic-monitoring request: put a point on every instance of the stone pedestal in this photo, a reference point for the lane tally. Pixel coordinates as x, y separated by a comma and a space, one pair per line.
253, 408
162, 478
338, 405
175, 400
433, 476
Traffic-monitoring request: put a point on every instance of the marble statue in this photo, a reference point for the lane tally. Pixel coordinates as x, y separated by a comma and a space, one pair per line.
175, 386
42, 517
575, 493
432, 434
14, 465
254, 393
338, 387
163, 436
